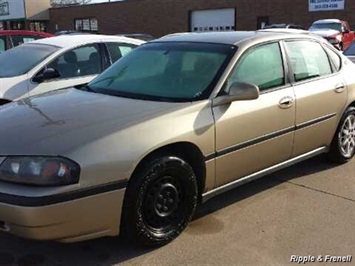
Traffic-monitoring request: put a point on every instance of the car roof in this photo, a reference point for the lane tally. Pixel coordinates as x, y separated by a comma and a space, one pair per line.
235, 37
327, 21
25, 32
65, 41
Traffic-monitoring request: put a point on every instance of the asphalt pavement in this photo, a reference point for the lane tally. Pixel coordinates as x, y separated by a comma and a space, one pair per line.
306, 212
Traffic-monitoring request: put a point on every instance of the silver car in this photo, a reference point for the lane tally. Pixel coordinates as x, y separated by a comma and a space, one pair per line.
173, 123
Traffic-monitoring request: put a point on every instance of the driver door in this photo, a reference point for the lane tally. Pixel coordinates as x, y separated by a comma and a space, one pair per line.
77, 66
255, 134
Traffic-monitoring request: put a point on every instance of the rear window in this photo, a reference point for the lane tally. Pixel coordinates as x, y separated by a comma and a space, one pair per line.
19, 60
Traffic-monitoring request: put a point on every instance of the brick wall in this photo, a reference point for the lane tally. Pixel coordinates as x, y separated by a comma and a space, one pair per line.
160, 17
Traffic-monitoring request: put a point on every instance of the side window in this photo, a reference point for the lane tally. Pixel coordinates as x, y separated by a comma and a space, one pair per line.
2, 43
308, 60
21, 39
344, 27
335, 59
117, 50
261, 66
82, 61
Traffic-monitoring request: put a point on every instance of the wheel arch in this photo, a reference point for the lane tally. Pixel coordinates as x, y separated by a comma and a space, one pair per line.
186, 151
351, 105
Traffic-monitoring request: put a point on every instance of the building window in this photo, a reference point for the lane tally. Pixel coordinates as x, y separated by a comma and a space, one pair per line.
86, 24
37, 26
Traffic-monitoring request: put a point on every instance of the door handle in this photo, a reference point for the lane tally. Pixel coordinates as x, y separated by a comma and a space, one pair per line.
339, 88
286, 102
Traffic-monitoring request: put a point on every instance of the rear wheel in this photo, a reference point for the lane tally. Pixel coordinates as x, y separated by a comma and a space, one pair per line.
160, 201
343, 145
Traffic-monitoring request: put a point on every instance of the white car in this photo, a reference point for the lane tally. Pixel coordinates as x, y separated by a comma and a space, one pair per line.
58, 62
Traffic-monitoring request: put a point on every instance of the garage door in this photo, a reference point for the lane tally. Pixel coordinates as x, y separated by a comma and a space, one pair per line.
213, 20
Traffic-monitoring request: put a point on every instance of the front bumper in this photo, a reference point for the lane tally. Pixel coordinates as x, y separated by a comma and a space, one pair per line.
72, 220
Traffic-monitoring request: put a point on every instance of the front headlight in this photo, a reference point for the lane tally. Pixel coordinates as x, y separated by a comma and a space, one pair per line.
40, 171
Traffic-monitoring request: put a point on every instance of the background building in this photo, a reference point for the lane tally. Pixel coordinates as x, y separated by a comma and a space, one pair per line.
160, 17
24, 14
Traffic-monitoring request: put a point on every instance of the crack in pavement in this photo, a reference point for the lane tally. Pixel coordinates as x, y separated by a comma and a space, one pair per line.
321, 191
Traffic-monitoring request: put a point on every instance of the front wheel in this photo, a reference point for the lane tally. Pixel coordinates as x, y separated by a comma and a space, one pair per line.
343, 145
160, 201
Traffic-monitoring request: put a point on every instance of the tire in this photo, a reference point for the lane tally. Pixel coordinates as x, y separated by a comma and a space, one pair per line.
342, 148
160, 201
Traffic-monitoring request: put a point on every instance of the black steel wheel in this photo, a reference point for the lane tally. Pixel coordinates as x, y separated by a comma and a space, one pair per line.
343, 145
160, 201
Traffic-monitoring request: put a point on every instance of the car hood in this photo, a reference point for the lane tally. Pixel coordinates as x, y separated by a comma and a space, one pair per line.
58, 122
325, 32
13, 87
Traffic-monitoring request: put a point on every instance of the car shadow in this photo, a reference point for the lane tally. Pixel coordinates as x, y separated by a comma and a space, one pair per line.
115, 250
308, 167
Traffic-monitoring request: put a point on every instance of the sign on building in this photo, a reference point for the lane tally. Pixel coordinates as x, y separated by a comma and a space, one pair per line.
326, 5
4, 9
12, 9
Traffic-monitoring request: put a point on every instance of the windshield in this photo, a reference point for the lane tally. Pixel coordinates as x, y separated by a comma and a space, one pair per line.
333, 26
350, 50
166, 72
19, 60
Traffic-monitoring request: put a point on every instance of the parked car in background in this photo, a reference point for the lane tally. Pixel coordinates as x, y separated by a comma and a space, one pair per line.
336, 31
70, 32
350, 52
12, 38
177, 121
285, 26
58, 62
140, 36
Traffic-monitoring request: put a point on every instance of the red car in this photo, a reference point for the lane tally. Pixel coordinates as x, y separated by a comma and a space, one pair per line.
12, 38
336, 31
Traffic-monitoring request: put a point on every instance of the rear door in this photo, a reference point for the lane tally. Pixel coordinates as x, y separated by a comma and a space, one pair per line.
320, 93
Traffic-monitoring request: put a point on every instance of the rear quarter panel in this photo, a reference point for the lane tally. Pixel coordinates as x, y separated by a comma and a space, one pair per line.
348, 74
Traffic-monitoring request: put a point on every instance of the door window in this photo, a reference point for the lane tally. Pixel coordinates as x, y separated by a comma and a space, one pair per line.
2, 43
21, 39
82, 61
308, 60
335, 59
261, 66
117, 50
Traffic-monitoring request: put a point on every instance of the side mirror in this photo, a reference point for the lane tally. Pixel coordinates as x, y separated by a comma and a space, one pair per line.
238, 91
46, 74
346, 31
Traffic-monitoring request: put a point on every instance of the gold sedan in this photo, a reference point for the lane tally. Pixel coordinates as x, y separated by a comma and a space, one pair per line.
177, 121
